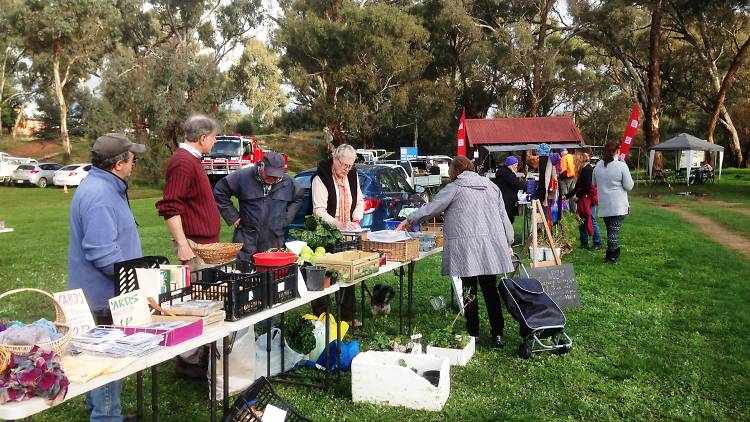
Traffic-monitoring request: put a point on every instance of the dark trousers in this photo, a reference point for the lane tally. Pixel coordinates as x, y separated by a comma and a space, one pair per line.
347, 304
491, 299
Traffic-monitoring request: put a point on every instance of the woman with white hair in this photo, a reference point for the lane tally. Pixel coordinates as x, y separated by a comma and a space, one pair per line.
337, 200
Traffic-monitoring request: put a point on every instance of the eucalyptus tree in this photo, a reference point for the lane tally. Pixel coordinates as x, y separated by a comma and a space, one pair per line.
69, 39
718, 34
346, 62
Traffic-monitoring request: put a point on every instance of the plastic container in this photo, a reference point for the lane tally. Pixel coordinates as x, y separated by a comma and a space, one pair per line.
314, 277
281, 283
242, 293
274, 259
259, 395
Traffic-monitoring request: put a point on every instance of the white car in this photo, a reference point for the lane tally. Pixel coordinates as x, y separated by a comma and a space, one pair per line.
35, 174
71, 175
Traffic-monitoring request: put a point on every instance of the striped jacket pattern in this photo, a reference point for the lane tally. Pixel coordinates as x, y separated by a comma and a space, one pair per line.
476, 227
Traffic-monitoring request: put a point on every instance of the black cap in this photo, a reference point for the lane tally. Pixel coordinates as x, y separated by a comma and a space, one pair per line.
113, 144
273, 164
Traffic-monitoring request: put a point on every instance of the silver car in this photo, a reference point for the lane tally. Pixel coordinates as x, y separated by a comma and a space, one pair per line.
35, 174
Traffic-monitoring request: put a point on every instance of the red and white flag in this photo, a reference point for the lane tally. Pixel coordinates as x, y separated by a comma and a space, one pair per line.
461, 136
630, 131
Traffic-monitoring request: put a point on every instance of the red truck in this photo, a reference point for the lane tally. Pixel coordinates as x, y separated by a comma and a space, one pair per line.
231, 153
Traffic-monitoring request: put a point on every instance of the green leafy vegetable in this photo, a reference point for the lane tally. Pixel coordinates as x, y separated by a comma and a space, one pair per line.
317, 233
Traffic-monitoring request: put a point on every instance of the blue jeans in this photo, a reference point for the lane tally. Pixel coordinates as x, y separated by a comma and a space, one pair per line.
585, 234
104, 403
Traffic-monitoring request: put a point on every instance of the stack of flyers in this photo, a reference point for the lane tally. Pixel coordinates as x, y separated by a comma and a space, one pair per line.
99, 335
118, 346
195, 307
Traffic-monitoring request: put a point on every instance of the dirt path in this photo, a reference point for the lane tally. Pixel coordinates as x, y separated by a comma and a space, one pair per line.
735, 206
714, 230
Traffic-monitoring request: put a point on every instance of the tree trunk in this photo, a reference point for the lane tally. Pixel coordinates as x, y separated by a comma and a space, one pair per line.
536, 88
719, 103
19, 116
2, 86
62, 107
653, 111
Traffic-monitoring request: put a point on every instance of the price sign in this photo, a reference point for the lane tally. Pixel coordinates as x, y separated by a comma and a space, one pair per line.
77, 311
130, 309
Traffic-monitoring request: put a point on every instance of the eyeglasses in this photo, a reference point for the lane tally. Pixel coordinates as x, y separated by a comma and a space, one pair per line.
134, 160
345, 165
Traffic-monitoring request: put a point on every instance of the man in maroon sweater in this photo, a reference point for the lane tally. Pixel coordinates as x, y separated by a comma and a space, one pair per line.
189, 208
188, 205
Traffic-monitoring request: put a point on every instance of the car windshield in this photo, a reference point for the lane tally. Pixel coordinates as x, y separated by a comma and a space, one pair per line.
69, 168
227, 147
25, 167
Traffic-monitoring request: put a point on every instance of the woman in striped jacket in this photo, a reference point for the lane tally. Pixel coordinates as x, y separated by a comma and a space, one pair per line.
478, 239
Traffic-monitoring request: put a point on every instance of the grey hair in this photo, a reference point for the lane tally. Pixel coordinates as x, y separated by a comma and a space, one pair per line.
345, 149
107, 163
198, 125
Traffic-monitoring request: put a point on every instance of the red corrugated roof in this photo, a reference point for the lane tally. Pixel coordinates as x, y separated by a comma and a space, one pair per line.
522, 130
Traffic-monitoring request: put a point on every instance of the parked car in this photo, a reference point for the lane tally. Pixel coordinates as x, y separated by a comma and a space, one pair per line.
386, 192
35, 174
71, 175
9, 164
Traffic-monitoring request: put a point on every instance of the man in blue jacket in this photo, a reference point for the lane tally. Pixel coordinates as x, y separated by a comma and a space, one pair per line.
268, 199
102, 233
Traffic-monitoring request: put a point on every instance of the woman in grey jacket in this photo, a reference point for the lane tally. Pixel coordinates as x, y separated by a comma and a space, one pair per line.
613, 181
478, 236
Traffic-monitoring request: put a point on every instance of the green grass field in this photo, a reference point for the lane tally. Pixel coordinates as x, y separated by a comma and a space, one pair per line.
661, 336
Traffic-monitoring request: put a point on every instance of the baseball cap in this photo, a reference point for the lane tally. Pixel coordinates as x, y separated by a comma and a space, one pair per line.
113, 144
273, 164
511, 160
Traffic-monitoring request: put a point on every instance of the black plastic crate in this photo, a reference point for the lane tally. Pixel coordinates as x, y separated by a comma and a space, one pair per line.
256, 398
282, 283
346, 245
125, 276
242, 293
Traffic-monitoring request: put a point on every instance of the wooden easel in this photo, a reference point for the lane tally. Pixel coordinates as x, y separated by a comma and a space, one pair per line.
538, 217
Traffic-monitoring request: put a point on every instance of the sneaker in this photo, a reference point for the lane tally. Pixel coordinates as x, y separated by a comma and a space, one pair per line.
596, 247
499, 342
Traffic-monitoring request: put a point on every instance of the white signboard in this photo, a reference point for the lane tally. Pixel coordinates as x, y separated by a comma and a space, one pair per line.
77, 311
130, 309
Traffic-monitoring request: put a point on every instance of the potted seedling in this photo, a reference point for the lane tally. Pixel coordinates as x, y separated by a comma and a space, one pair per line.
445, 342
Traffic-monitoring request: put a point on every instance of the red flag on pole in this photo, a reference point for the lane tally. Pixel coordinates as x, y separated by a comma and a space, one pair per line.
461, 136
630, 131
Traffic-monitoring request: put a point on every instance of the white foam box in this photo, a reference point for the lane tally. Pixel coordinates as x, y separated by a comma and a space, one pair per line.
457, 357
377, 377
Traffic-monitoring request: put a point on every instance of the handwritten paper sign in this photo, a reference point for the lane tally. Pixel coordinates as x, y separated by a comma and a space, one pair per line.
77, 311
130, 309
559, 283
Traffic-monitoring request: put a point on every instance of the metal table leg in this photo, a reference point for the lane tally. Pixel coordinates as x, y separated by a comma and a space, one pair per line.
410, 299
154, 394
225, 367
139, 395
212, 363
401, 300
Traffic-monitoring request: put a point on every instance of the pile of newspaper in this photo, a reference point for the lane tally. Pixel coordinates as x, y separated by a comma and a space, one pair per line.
112, 342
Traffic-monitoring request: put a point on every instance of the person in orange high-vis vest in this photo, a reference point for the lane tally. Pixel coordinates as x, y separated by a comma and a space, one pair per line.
567, 177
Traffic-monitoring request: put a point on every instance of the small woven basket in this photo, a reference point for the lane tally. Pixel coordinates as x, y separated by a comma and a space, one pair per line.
4, 360
61, 322
217, 253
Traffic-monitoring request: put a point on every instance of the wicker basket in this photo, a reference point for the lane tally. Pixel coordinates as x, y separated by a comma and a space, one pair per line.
401, 251
4, 360
57, 346
217, 253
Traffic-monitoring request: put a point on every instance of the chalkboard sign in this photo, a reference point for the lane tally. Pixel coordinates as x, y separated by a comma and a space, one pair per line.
559, 283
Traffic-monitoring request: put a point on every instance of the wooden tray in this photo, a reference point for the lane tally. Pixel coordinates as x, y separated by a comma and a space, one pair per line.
351, 264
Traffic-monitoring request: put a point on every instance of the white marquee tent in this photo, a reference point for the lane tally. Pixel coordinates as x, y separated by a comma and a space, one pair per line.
688, 143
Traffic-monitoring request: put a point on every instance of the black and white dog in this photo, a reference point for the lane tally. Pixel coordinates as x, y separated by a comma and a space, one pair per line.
380, 299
